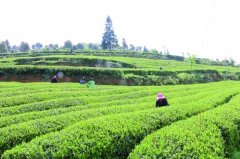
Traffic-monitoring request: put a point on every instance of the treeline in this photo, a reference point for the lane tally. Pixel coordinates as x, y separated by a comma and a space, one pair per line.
5, 47
96, 49
109, 42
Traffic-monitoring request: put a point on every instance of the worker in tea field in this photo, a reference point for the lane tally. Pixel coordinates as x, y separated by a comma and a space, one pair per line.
82, 80
54, 79
91, 84
161, 100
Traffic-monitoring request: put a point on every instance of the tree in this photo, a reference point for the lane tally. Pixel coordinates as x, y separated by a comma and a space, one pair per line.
228, 62
3, 47
205, 61
131, 47
8, 45
68, 44
154, 51
51, 46
38, 46
80, 46
124, 44
232, 62
109, 39
191, 59
46, 48
139, 48
56, 46
24, 47
145, 49
74, 47
15, 48
165, 51
33, 47
93, 46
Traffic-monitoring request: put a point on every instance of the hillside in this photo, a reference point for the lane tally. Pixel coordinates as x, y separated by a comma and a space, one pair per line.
67, 120
110, 69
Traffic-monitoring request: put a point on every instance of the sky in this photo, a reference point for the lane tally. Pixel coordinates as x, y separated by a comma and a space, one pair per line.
206, 28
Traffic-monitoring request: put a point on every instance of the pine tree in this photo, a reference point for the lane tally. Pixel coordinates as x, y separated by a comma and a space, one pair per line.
145, 49
68, 44
8, 45
124, 44
24, 47
109, 40
3, 47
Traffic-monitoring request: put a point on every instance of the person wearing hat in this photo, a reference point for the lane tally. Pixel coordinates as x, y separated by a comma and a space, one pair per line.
161, 100
54, 79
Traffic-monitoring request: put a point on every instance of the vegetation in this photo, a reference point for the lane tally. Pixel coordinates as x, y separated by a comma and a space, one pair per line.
191, 59
213, 134
110, 69
109, 40
72, 121
68, 120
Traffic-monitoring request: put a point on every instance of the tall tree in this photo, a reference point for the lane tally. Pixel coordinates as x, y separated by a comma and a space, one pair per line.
51, 46
154, 51
80, 46
124, 44
24, 47
109, 39
33, 47
232, 62
8, 45
3, 47
15, 48
38, 46
46, 48
56, 46
93, 46
191, 59
132, 47
68, 44
139, 48
145, 49
74, 47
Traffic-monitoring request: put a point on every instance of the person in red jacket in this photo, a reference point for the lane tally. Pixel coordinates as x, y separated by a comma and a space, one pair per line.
161, 100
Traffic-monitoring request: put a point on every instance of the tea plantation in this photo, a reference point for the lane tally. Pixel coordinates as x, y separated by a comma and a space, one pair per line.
69, 120
115, 70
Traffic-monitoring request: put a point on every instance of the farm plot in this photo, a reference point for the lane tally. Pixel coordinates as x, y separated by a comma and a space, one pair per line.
213, 134
41, 120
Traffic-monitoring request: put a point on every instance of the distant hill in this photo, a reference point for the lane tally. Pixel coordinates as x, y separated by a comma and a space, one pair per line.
110, 68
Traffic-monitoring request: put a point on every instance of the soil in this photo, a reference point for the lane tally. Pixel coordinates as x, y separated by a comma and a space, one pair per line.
40, 78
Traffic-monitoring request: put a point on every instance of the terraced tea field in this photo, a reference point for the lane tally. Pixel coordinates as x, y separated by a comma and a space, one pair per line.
110, 70
68, 120
122, 63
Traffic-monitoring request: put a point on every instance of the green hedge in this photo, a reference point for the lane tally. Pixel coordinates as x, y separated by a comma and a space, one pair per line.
127, 77
214, 134
111, 136
72, 61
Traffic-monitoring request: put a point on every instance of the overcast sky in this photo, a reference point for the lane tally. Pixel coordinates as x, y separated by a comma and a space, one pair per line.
207, 28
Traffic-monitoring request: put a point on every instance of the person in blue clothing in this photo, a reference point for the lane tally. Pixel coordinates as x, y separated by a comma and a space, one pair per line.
82, 80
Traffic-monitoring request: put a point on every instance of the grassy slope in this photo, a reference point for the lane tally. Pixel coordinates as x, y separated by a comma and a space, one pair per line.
143, 63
